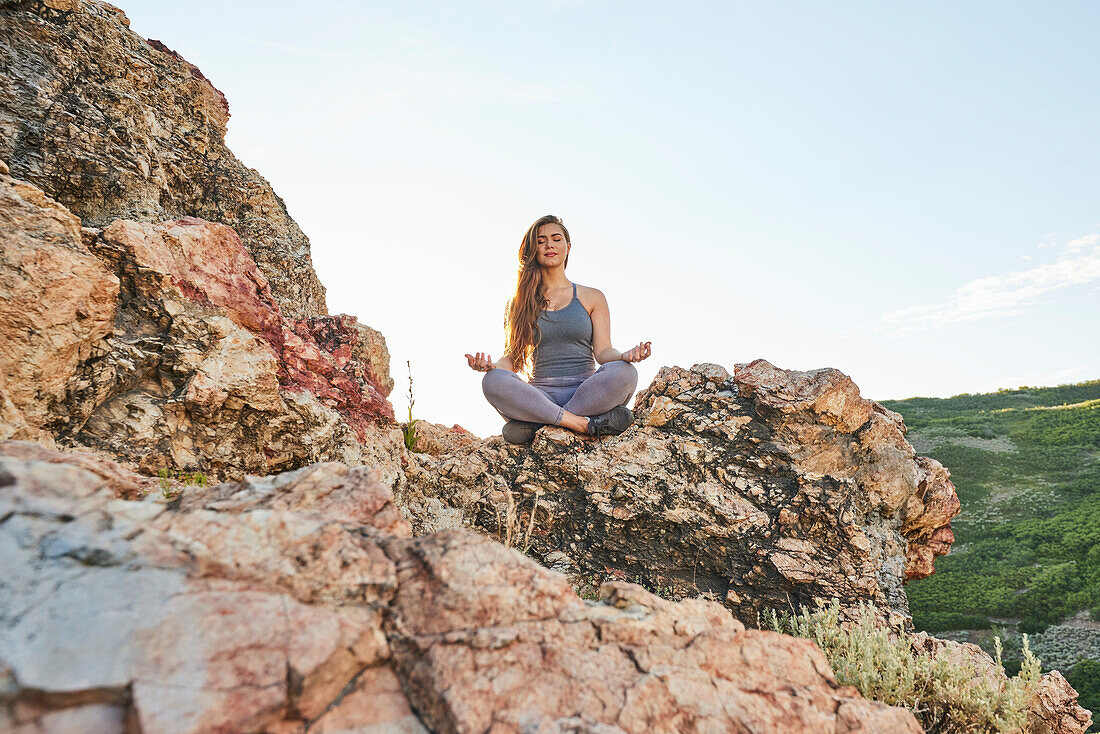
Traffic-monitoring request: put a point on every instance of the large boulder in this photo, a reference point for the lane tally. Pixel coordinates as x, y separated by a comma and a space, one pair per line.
117, 127
764, 488
162, 345
245, 607
299, 603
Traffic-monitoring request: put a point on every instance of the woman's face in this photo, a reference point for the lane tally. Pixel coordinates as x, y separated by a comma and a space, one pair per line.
552, 247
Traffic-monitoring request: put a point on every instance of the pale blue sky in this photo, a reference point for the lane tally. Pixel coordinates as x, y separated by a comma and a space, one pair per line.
907, 192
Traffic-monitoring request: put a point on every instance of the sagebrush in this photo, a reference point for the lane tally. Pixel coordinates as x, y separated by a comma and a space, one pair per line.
944, 695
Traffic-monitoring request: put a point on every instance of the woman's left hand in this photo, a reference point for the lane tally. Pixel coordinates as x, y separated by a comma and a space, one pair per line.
638, 353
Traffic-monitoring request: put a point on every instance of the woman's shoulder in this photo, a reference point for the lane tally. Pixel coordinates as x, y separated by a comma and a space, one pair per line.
590, 297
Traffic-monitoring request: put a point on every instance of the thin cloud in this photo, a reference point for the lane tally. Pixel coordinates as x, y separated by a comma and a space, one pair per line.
1082, 243
1000, 296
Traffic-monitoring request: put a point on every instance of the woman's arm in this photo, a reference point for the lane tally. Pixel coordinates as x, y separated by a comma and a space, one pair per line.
601, 334
483, 362
601, 329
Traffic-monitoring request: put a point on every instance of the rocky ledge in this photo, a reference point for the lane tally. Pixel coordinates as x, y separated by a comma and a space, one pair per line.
767, 488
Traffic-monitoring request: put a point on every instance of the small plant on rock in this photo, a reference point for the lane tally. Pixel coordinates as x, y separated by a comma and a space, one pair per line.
168, 482
410, 425
164, 479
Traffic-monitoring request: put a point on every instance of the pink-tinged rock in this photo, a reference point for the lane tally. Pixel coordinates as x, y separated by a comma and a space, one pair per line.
207, 262
434, 439
124, 483
320, 355
353, 344
374, 703
57, 307
191, 617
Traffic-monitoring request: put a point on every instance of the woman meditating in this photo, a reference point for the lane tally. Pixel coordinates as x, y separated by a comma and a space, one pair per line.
561, 330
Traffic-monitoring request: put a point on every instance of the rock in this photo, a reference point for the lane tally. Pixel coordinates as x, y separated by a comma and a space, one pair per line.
162, 345
1054, 709
299, 602
434, 439
122, 483
248, 606
117, 127
767, 488
57, 310
487, 640
352, 343
191, 260
343, 363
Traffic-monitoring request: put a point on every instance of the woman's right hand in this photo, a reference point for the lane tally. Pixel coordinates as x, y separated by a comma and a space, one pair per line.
481, 362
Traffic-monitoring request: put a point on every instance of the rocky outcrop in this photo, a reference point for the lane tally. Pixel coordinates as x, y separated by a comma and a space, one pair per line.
162, 345
764, 488
300, 603
117, 127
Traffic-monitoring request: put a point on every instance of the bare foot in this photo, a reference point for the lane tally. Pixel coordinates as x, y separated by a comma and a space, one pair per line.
577, 423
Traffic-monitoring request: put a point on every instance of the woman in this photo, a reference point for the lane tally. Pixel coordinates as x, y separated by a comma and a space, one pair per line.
561, 330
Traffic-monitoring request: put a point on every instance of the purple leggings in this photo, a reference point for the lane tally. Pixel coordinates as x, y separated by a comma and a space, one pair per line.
545, 400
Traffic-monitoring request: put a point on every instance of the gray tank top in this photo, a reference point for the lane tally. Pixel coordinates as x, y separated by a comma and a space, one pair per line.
566, 345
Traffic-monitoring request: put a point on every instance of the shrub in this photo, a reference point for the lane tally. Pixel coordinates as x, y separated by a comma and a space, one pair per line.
945, 621
1085, 678
944, 696
1032, 627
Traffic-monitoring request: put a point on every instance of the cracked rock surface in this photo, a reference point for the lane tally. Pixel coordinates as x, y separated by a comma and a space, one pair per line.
114, 126
299, 602
764, 488
162, 345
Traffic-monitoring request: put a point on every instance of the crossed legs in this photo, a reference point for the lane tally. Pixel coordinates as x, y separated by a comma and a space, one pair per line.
515, 399
611, 385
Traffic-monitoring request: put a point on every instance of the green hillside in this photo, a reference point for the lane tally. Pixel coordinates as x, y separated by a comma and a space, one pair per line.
1026, 558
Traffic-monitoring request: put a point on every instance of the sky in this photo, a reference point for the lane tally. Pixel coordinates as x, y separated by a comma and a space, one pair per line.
906, 192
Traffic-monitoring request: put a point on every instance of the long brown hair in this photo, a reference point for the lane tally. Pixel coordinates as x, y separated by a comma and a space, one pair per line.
529, 300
